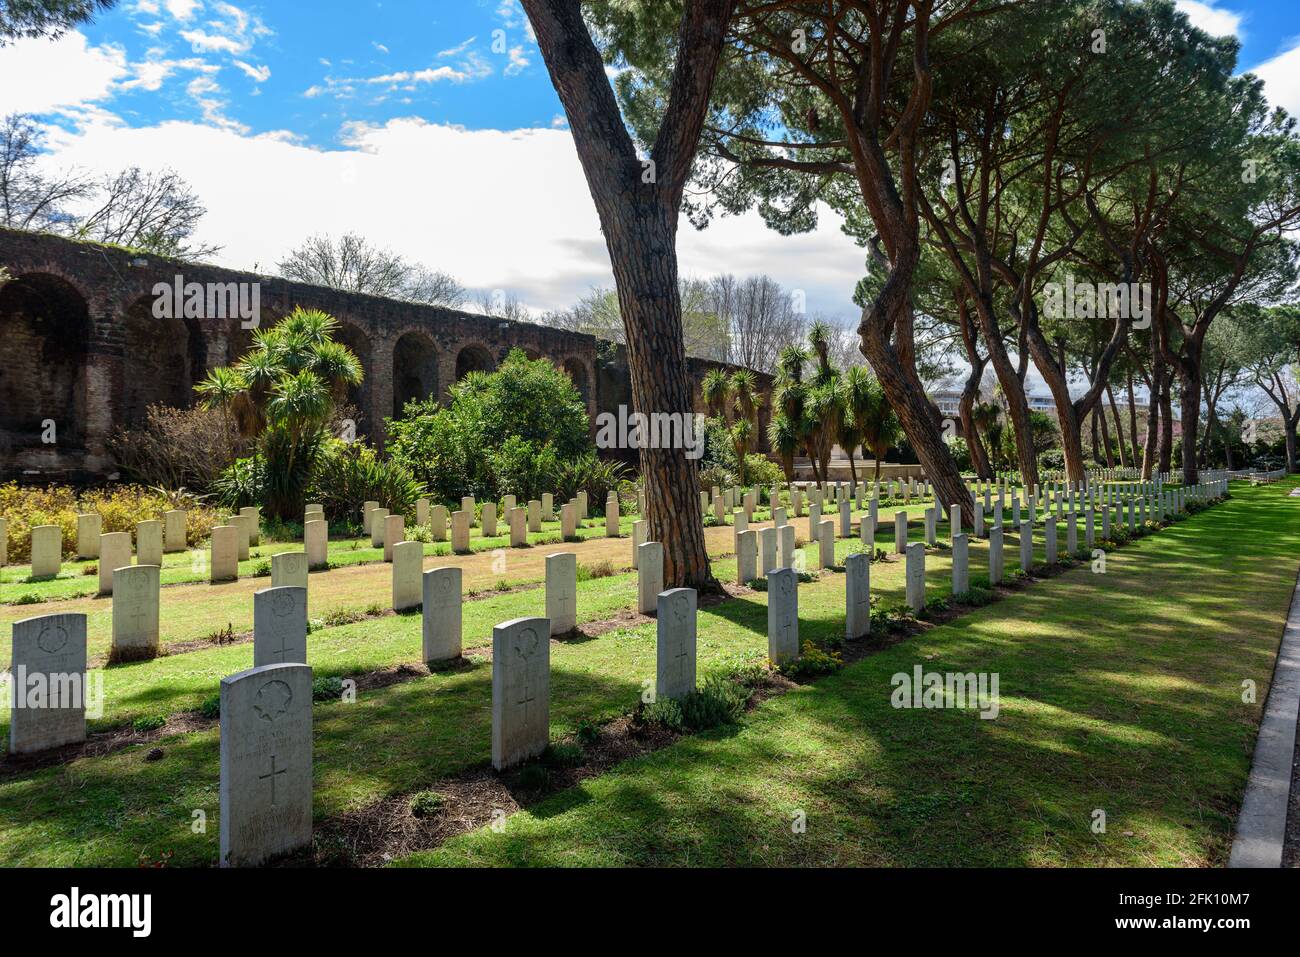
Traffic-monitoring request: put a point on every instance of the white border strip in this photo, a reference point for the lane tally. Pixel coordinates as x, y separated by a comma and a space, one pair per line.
1261, 826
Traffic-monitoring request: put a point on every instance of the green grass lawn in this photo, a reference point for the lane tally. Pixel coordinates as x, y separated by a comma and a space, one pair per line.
112, 809
1120, 692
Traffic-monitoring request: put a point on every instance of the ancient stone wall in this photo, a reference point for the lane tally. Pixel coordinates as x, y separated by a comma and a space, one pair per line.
84, 351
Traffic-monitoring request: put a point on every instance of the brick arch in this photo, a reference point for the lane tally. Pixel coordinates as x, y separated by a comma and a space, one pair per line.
474, 357
46, 327
162, 358
356, 338
415, 368
578, 370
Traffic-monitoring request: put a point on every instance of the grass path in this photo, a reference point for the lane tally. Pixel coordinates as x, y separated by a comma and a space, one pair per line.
1119, 692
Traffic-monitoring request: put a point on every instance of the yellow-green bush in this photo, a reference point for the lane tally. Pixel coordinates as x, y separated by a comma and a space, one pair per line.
120, 508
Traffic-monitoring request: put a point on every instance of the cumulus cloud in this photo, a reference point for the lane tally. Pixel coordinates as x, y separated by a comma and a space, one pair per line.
1213, 19
73, 73
497, 209
1281, 76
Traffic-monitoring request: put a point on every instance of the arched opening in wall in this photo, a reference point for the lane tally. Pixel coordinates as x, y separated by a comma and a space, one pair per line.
577, 371
358, 396
473, 358
45, 328
415, 370
157, 359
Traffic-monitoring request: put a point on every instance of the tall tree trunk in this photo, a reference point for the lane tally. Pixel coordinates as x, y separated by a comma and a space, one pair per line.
1166, 452
1150, 445
1132, 417
638, 203
1119, 425
1189, 379
1099, 416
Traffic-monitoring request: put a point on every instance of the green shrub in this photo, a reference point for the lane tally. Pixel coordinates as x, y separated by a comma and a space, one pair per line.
511, 430
812, 661
147, 723
588, 732
261, 569
563, 755
120, 508
327, 689
426, 803
348, 475
211, 706
720, 700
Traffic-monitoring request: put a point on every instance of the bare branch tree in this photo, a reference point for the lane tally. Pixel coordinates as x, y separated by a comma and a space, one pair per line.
156, 212
354, 264
28, 199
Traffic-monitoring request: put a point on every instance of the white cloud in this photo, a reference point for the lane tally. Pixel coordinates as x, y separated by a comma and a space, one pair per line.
204, 42
458, 49
1213, 19
512, 208
180, 9
259, 74
1281, 76
518, 60
71, 73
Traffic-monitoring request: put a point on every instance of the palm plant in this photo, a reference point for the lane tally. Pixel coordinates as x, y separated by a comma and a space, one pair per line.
856, 392
877, 423
743, 399
283, 392
714, 389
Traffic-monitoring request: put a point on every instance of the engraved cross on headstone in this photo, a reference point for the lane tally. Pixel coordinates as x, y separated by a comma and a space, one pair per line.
272, 774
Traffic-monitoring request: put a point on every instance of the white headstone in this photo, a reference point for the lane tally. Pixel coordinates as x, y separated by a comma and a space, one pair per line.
900, 533
569, 521
521, 690
650, 576
149, 543
857, 599
394, 532
89, 528
266, 763
826, 551
534, 515
224, 563
548, 507
767, 550
785, 547
280, 626
135, 613
996, 557
562, 592
915, 580
289, 569
488, 519
114, 553
782, 616
48, 683
460, 523
174, 530
408, 560
438, 523
746, 557
1026, 546
316, 540
442, 614
47, 550
675, 664
254, 518
960, 564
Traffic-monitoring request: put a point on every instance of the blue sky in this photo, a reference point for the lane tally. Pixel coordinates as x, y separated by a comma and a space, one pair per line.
429, 126
312, 67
